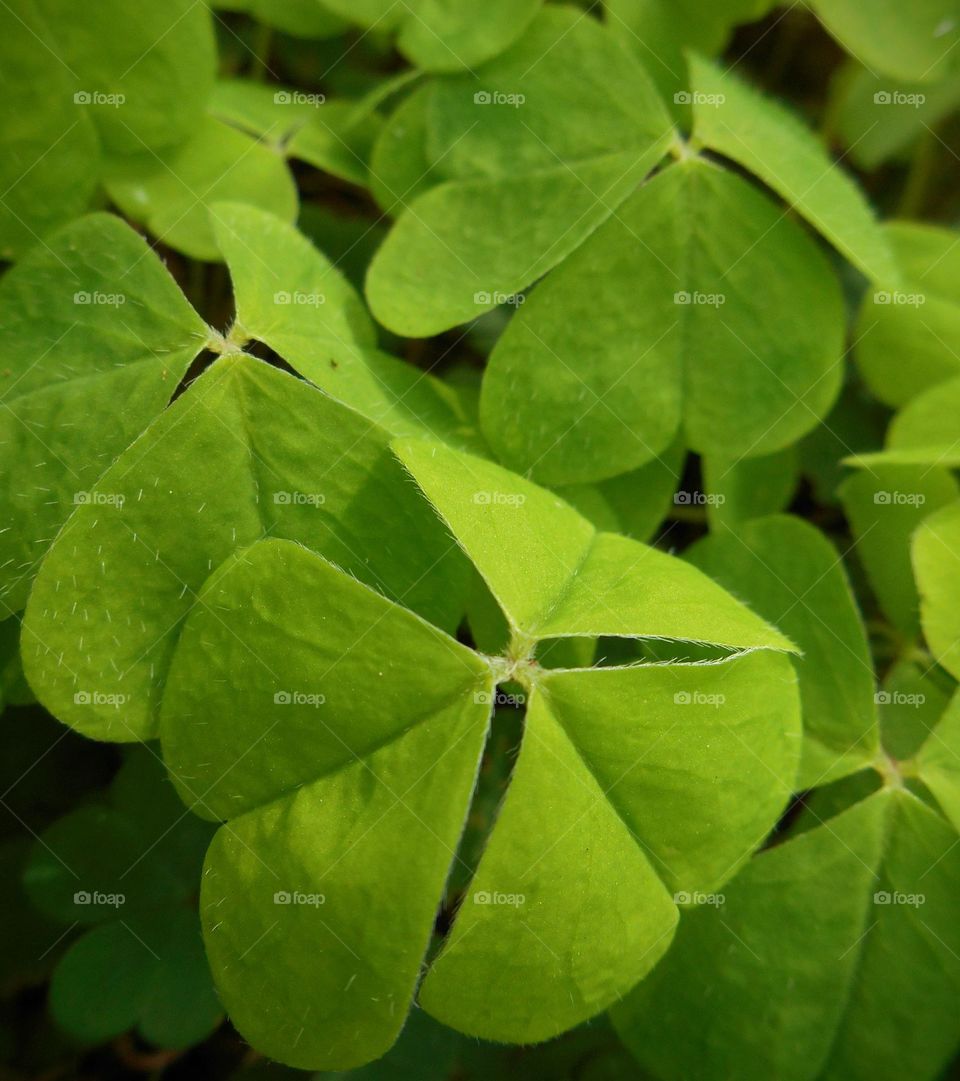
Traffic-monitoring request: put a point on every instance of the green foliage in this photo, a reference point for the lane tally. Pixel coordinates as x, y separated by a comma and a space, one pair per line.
480, 574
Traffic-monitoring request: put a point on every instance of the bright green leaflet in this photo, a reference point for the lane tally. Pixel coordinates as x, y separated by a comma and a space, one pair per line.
879, 120
598, 384
273, 652
659, 31
562, 577
936, 559
524, 185
160, 61
248, 451
925, 432
301, 18
598, 760
817, 966
49, 148
751, 487
911, 43
738, 122
86, 321
289, 296
172, 194
611, 107
906, 338
334, 791
884, 506
794, 578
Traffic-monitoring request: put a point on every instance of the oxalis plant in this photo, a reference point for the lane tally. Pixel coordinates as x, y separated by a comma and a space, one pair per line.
483, 513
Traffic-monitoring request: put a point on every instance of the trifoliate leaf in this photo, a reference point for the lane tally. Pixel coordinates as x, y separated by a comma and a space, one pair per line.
373, 782
634, 823
912, 44
247, 452
596, 384
792, 576
532, 164
89, 320
734, 120
274, 652
906, 336
884, 505
559, 577
172, 193
936, 557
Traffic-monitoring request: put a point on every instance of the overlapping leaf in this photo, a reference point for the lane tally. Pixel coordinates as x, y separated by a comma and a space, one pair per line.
273, 718
530, 162
247, 452
110, 81
86, 321
936, 557
172, 193
443, 35
736, 346
736, 121
794, 578
831, 956
659, 32
290, 297
918, 43
885, 504
125, 868
907, 334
